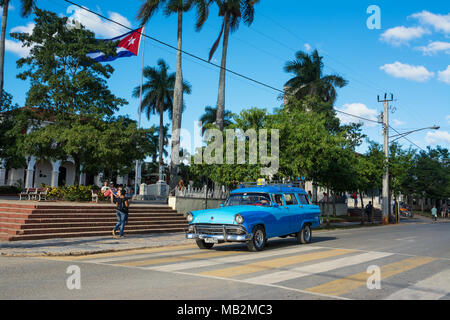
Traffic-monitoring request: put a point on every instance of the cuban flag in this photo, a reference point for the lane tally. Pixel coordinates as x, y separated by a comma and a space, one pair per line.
128, 46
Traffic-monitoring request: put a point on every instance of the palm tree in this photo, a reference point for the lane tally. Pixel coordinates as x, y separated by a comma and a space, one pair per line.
155, 141
309, 80
27, 7
232, 11
210, 116
158, 96
146, 11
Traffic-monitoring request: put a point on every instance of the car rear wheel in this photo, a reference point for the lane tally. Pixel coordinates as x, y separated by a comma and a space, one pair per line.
203, 245
258, 240
304, 235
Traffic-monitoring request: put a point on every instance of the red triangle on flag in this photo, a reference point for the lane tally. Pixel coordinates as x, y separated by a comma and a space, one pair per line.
131, 41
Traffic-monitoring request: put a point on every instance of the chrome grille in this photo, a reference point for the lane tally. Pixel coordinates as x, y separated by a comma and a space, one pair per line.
217, 229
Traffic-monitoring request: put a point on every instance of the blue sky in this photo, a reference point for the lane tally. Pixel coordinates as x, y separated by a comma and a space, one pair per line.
408, 56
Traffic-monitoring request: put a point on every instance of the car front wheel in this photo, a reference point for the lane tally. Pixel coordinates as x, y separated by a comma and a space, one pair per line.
304, 235
258, 240
203, 245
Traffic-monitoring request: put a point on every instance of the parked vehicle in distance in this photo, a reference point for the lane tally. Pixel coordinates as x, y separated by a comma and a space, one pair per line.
255, 214
405, 210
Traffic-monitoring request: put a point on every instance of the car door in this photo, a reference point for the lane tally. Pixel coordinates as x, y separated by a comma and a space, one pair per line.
295, 211
305, 208
281, 223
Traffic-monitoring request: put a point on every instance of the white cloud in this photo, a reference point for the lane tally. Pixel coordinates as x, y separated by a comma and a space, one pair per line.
448, 118
308, 47
100, 27
406, 71
396, 122
358, 109
439, 22
401, 35
437, 137
444, 75
24, 29
16, 47
435, 47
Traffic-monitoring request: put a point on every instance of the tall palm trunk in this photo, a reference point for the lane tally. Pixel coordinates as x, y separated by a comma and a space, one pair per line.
161, 141
2, 42
223, 65
177, 107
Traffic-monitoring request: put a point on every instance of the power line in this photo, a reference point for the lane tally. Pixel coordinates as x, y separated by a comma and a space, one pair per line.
349, 114
175, 48
202, 59
368, 83
407, 139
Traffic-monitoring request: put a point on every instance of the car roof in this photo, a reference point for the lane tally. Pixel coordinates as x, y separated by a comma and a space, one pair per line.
270, 189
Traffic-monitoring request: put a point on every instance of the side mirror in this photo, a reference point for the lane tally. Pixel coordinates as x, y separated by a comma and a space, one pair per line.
275, 205
221, 205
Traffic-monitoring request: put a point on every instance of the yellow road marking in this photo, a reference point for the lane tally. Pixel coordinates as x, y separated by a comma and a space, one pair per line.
120, 253
274, 263
347, 284
146, 262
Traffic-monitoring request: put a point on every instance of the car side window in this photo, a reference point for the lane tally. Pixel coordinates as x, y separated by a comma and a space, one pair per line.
278, 198
290, 199
303, 198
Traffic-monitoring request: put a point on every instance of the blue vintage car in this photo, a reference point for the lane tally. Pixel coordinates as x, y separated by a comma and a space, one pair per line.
255, 214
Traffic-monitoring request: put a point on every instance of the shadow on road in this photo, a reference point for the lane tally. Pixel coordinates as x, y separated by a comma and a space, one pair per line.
272, 244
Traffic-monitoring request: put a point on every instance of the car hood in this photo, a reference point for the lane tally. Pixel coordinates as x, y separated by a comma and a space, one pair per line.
224, 214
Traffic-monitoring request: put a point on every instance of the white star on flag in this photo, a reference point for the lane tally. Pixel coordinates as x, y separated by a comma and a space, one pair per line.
131, 41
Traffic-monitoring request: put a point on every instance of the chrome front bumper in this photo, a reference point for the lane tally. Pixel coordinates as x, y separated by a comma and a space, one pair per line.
222, 233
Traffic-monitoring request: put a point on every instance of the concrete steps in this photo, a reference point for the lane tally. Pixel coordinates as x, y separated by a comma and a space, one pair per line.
46, 221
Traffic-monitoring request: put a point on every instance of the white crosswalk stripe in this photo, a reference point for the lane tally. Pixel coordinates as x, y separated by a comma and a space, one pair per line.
143, 256
276, 267
316, 268
241, 258
431, 288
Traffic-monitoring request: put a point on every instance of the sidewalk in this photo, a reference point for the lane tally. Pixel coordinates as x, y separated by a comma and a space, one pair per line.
90, 245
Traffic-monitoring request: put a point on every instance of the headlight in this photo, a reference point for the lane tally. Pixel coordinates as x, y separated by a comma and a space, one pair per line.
189, 217
239, 219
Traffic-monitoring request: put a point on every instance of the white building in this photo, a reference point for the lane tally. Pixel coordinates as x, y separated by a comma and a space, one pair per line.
53, 173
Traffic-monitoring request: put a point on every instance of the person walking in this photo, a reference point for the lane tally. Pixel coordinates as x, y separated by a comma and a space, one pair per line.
355, 198
122, 214
369, 211
444, 211
434, 213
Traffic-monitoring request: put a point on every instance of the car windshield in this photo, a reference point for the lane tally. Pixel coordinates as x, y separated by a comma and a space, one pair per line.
242, 199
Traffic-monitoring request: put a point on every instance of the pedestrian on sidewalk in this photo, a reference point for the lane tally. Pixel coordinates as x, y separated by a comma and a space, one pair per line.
444, 210
434, 213
122, 214
369, 211
355, 198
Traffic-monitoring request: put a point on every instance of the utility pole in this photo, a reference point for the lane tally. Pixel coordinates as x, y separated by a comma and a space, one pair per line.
385, 190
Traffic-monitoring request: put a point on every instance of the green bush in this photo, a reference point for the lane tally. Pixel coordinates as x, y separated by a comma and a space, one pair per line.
73, 193
9, 189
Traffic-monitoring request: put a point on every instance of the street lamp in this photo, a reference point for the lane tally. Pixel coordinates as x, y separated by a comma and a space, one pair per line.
401, 135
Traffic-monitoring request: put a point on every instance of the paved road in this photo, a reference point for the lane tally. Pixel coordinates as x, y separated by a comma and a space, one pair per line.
413, 259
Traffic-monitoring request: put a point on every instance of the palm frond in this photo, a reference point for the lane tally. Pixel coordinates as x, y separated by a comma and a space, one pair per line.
216, 43
147, 9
